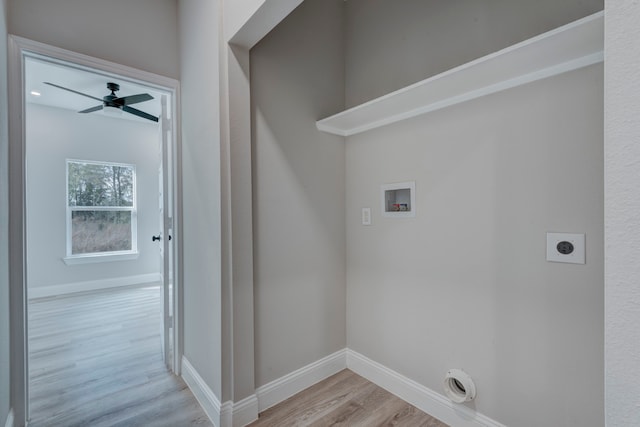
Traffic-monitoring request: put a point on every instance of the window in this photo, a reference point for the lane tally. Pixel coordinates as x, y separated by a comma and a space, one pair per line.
101, 209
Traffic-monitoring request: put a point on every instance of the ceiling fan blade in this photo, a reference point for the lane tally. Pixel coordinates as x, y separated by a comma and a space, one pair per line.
139, 113
132, 99
73, 91
92, 109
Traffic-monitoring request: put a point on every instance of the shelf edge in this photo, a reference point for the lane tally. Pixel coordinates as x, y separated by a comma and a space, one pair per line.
556, 69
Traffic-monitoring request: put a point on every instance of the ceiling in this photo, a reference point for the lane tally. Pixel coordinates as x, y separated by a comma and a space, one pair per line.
38, 71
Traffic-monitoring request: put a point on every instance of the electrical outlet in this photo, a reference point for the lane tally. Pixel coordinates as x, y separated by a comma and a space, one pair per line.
566, 247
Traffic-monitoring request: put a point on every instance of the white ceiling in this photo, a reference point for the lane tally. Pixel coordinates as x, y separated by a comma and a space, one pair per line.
38, 71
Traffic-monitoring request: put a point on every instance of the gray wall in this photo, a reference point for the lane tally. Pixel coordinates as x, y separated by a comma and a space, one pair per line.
297, 75
391, 44
465, 283
84, 137
140, 33
4, 226
622, 204
199, 70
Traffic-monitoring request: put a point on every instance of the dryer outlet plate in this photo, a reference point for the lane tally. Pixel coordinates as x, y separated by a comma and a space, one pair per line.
566, 247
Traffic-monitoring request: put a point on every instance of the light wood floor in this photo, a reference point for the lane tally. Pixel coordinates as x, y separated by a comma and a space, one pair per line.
95, 360
345, 399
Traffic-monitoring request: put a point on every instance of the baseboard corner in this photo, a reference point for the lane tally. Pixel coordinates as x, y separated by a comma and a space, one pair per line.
283, 388
241, 413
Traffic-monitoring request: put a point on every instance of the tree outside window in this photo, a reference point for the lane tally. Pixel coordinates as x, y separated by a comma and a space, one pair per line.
101, 208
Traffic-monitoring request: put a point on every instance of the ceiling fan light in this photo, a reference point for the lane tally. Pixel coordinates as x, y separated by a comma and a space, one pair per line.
112, 111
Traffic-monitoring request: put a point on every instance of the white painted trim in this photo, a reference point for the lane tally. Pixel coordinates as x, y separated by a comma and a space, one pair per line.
423, 398
226, 414
100, 257
85, 258
283, 388
20, 47
92, 285
239, 414
56, 54
9, 422
246, 411
203, 394
570, 47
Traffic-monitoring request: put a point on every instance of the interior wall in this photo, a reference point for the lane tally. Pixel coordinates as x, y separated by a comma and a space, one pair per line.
142, 34
390, 45
5, 349
622, 204
237, 13
200, 77
465, 283
297, 75
84, 137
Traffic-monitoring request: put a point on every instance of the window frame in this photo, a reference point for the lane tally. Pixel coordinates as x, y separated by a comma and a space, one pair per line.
92, 257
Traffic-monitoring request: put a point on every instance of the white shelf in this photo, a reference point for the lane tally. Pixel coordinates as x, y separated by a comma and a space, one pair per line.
570, 47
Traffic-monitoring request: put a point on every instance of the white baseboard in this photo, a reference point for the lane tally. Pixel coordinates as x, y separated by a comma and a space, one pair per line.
9, 422
204, 395
421, 397
239, 414
246, 411
226, 414
283, 388
93, 285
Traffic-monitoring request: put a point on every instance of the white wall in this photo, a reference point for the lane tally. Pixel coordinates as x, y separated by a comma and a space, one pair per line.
5, 351
140, 33
465, 284
622, 204
420, 38
199, 70
54, 135
297, 75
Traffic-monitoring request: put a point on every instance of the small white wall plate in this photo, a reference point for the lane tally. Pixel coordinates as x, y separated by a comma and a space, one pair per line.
566, 247
366, 216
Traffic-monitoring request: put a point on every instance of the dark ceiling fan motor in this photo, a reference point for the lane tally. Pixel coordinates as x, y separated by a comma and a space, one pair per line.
108, 99
112, 100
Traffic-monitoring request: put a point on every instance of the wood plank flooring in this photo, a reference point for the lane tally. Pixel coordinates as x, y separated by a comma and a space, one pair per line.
95, 360
345, 399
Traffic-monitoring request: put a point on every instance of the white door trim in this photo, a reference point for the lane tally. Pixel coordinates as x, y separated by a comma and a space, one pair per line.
19, 48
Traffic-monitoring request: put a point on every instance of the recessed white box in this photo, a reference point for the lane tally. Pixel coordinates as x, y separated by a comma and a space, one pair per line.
399, 200
566, 247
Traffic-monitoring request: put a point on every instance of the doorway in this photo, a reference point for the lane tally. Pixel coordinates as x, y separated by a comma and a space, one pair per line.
91, 239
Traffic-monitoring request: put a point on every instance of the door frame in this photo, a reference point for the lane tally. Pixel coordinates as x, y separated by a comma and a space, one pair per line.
18, 49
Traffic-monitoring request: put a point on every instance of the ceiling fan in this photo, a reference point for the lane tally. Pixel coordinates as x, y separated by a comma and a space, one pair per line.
113, 101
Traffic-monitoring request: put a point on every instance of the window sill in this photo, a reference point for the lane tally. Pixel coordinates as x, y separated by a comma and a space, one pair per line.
102, 257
